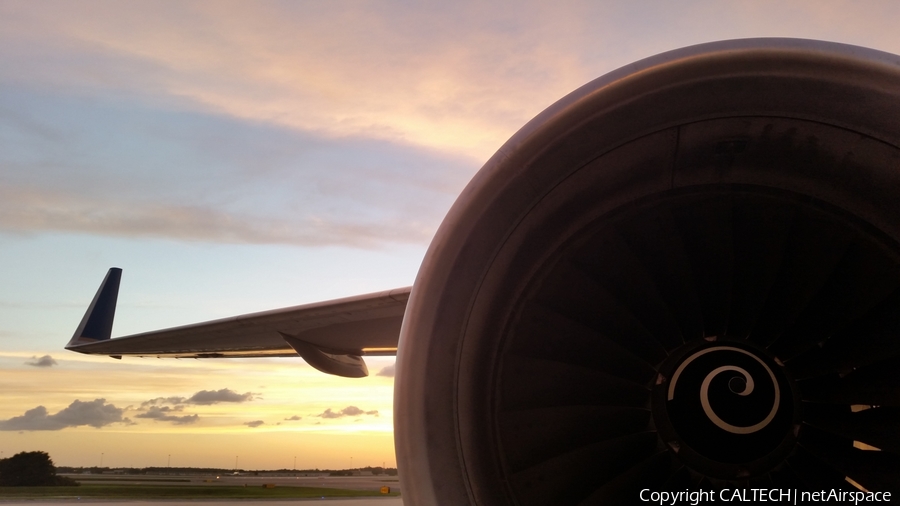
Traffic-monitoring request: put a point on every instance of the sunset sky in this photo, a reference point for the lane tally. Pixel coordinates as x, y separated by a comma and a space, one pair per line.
233, 157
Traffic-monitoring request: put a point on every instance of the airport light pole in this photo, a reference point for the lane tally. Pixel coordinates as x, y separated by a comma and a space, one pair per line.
101, 459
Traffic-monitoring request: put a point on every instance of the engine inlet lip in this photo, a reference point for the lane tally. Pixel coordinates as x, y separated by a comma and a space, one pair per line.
698, 461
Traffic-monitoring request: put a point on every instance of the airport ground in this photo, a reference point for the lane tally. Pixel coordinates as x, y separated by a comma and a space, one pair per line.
368, 501
371, 484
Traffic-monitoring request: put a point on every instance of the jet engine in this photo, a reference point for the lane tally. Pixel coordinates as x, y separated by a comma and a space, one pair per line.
685, 274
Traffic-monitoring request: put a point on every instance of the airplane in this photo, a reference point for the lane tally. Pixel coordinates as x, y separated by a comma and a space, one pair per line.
684, 275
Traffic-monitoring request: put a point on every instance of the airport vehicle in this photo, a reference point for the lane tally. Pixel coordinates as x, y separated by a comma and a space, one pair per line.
685, 273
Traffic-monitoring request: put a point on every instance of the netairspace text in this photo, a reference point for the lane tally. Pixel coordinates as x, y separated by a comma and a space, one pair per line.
754, 495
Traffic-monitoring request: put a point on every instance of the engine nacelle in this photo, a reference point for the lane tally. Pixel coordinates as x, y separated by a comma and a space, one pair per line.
684, 274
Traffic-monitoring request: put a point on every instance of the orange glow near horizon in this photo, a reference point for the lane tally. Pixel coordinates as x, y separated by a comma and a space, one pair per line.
288, 397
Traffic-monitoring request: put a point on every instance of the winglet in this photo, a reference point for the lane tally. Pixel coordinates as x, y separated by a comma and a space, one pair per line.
98, 320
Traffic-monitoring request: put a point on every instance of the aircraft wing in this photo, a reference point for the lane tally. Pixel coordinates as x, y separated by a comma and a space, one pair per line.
331, 336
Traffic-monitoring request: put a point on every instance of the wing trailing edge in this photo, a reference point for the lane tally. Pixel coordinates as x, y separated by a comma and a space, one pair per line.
332, 336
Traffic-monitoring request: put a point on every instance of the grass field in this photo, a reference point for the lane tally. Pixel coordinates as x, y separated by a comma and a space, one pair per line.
180, 492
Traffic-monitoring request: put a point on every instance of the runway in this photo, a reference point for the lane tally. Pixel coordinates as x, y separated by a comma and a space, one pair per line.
348, 482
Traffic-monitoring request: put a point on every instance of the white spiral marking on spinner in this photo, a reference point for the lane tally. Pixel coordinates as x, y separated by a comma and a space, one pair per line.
704, 390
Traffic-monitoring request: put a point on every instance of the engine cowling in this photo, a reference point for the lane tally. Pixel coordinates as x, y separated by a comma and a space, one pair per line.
684, 274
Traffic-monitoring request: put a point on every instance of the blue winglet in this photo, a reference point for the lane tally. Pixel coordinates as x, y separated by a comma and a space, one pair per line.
98, 320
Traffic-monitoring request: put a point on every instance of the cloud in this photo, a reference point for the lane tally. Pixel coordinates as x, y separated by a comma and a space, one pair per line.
207, 397
254, 424
238, 183
388, 371
45, 361
351, 411
164, 408
163, 400
422, 85
96, 413
165, 91
163, 414
24, 211
294, 418
348, 411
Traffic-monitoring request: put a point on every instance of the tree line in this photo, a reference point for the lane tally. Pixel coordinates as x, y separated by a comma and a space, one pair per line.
31, 469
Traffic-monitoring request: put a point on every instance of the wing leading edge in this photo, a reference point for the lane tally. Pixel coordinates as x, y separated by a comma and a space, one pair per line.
331, 336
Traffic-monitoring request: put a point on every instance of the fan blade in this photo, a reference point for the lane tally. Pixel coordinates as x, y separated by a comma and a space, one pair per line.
878, 427
785, 477
875, 385
874, 470
870, 339
706, 231
761, 234
631, 285
813, 472
535, 435
625, 488
680, 479
575, 296
533, 383
862, 279
570, 478
548, 335
815, 247
670, 271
